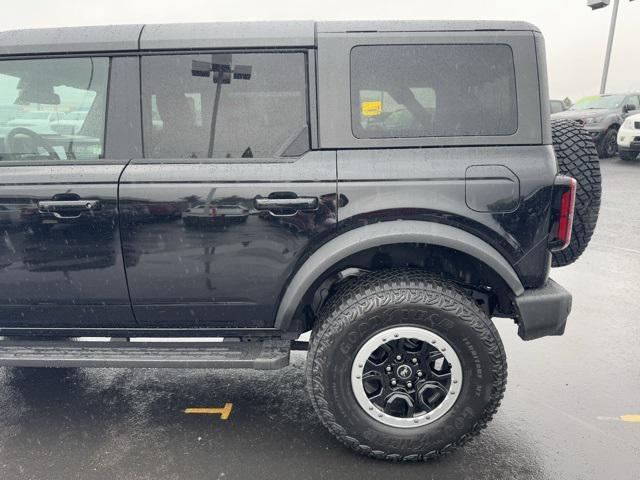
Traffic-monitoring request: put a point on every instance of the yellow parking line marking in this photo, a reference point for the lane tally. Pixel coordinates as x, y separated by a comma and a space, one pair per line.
630, 418
224, 412
621, 418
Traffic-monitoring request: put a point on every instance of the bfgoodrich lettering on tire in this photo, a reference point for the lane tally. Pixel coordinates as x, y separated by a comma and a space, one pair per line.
404, 366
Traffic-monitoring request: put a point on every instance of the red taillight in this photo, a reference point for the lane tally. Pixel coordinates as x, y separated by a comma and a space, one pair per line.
563, 213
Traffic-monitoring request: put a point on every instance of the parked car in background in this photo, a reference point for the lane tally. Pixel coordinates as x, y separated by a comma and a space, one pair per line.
629, 138
557, 106
38, 121
602, 116
70, 123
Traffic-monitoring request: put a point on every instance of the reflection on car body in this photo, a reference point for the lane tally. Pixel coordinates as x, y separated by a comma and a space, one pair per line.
212, 214
72, 252
9, 214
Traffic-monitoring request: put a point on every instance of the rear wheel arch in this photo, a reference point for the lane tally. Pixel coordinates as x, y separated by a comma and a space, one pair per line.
369, 246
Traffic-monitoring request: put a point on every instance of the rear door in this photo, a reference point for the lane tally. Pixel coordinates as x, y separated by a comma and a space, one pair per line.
61, 260
229, 195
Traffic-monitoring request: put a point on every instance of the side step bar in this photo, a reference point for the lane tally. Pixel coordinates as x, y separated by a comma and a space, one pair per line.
267, 354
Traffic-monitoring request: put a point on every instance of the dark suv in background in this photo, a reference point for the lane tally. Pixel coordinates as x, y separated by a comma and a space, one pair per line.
390, 186
602, 116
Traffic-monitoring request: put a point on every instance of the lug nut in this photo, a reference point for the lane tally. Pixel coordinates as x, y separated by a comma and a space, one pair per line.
393, 382
414, 360
398, 358
419, 373
409, 384
388, 369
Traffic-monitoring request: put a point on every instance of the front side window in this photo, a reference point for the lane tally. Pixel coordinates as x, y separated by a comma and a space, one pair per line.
240, 105
432, 91
53, 109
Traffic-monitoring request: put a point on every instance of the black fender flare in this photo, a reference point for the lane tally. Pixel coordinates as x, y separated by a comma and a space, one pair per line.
388, 233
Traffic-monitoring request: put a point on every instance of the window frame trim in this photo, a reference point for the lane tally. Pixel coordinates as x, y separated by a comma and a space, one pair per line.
311, 103
102, 160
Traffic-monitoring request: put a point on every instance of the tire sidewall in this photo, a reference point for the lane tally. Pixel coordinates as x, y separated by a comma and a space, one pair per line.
335, 357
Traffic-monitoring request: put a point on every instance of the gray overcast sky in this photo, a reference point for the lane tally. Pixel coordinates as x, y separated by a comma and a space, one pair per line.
576, 36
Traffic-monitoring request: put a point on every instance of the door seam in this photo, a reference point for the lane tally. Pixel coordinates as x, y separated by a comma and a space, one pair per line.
124, 263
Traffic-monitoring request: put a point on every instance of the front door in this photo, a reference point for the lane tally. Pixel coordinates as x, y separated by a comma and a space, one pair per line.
229, 196
60, 256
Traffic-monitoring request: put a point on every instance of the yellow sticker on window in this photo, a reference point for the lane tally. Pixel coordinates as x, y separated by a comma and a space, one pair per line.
371, 109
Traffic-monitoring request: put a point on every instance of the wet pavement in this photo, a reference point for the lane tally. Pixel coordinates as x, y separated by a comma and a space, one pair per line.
559, 418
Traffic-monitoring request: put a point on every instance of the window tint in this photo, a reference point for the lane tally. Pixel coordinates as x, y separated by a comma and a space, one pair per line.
432, 90
225, 105
53, 108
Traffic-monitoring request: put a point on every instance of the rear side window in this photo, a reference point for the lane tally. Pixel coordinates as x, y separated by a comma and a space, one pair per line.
239, 105
53, 108
432, 91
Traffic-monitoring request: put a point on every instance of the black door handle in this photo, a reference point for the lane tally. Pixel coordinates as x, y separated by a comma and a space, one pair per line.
287, 205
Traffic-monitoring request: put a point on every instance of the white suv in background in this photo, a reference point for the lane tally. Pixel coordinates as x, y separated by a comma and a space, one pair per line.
629, 138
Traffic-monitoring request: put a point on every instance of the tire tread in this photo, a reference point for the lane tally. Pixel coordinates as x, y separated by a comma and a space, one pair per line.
577, 157
389, 286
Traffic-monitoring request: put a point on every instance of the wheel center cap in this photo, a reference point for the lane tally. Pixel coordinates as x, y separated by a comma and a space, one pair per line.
404, 372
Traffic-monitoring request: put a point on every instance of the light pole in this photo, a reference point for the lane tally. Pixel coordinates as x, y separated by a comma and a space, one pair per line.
596, 4
222, 74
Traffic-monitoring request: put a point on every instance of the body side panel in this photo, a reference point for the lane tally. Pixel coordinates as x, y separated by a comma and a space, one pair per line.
431, 185
198, 270
62, 272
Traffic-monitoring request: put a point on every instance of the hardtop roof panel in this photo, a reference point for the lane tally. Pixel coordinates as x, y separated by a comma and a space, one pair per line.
70, 40
421, 26
116, 38
228, 35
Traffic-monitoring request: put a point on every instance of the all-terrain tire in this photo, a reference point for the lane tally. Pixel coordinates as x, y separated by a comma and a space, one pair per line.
368, 305
577, 157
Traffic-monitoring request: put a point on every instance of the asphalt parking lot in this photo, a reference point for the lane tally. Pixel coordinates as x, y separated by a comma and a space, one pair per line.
560, 417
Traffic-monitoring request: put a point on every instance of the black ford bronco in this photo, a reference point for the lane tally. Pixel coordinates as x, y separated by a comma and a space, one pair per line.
389, 186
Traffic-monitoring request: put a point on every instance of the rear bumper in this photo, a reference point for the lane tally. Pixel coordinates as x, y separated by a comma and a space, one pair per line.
543, 311
633, 147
